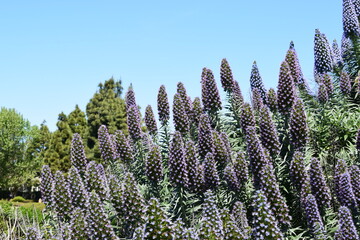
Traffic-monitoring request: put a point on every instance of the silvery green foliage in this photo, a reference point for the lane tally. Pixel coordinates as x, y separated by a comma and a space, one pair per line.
298, 173
181, 120
96, 180
345, 83
185, 100
178, 171
153, 164
294, 65
98, 221
268, 133
163, 105
123, 147
158, 224
272, 100
338, 61
256, 81
195, 174
133, 122
80, 224
241, 168
205, 140
286, 89
350, 19
298, 125
46, 186
239, 214
211, 225
61, 195
150, 121
312, 214
77, 154
355, 180
211, 175
79, 194
264, 223
226, 76
347, 229
322, 53
318, 184
106, 145
209, 92
247, 117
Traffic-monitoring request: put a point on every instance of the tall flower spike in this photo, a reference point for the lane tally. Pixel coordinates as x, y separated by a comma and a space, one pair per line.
195, 183
133, 122
79, 225
323, 93
177, 165
298, 126
96, 180
163, 105
247, 117
106, 145
264, 224
256, 81
312, 214
297, 170
205, 141
153, 165
358, 141
130, 97
209, 91
318, 184
239, 213
268, 133
226, 76
336, 54
231, 230
220, 152
211, 176
347, 229
256, 99
322, 53
77, 153
225, 139
185, 99
345, 84
123, 147
272, 100
241, 168
61, 196
355, 180
197, 110
211, 225
286, 90
346, 47
342, 184
99, 224
327, 80
231, 178
46, 186
79, 194
181, 120
150, 121
356, 4
294, 65
33, 233
350, 19
237, 97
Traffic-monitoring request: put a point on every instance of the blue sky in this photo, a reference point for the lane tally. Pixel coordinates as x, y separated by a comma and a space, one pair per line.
53, 54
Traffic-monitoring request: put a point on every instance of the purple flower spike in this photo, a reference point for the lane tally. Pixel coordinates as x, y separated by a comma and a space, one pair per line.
130, 97
106, 145
211, 175
345, 84
61, 196
177, 166
297, 171
123, 147
96, 180
322, 53
150, 121
350, 19
294, 65
79, 224
343, 187
256, 100
346, 47
322, 93
46, 186
318, 184
197, 110
247, 117
256, 82
239, 214
185, 100
272, 101
79, 194
209, 91
163, 105
195, 174
231, 178
241, 168
220, 152
181, 120
286, 90
298, 125
355, 180
338, 61
237, 97
226, 76
154, 164
347, 229
133, 121
205, 142
358, 141
313, 217
77, 154
327, 80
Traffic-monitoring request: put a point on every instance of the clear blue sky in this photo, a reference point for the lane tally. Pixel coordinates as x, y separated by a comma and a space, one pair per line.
53, 54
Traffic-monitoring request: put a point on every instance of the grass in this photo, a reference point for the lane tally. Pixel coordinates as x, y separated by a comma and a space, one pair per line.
36, 205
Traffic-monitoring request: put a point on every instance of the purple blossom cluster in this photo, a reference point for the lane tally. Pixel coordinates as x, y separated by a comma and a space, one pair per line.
350, 19
231, 178
61, 196
230, 228
153, 164
186, 100
239, 214
130, 97
313, 217
298, 125
163, 105
318, 183
220, 151
46, 186
178, 172
337, 58
209, 91
123, 147
345, 83
347, 229
205, 140
237, 98
346, 47
197, 110
272, 100
96, 180
211, 175
358, 140
343, 187
181, 120
354, 171
195, 171
256, 81
133, 122
241, 168
322, 53
79, 194
298, 173
150, 121
256, 99
80, 227
294, 65
226, 76
106, 145
247, 117
286, 89
77, 154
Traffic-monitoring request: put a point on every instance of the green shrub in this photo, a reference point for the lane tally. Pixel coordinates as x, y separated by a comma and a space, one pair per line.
18, 199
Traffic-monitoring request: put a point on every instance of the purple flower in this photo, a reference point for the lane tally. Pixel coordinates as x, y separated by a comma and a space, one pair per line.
343, 187
297, 170
323, 93
346, 47
231, 178
327, 80
226, 76
205, 140
355, 180
79, 195
209, 92
256, 82
106, 145
177, 165
272, 100
358, 140
241, 168
237, 98
286, 90
197, 110
96, 180
150, 121
318, 184
123, 147
130, 97
239, 214
294, 65
322, 53
347, 229
220, 152
79, 224
186, 101
133, 122
46, 186
298, 125
350, 19
268, 133
153, 164
61, 195
256, 99
181, 120
338, 61
195, 174
211, 176
247, 117
77, 154
345, 84
163, 105
312, 214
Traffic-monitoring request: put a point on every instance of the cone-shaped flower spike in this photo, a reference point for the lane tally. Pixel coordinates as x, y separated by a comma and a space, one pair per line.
226, 76
350, 19
133, 122
181, 120
163, 105
209, 91
272, 101
153, 164
150, 121
77, 154
318, 184
345, 84
298, 125
256, 81
322, 53
347, 229
123, 147
106, 145
205, 142
177, 164
286, 89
